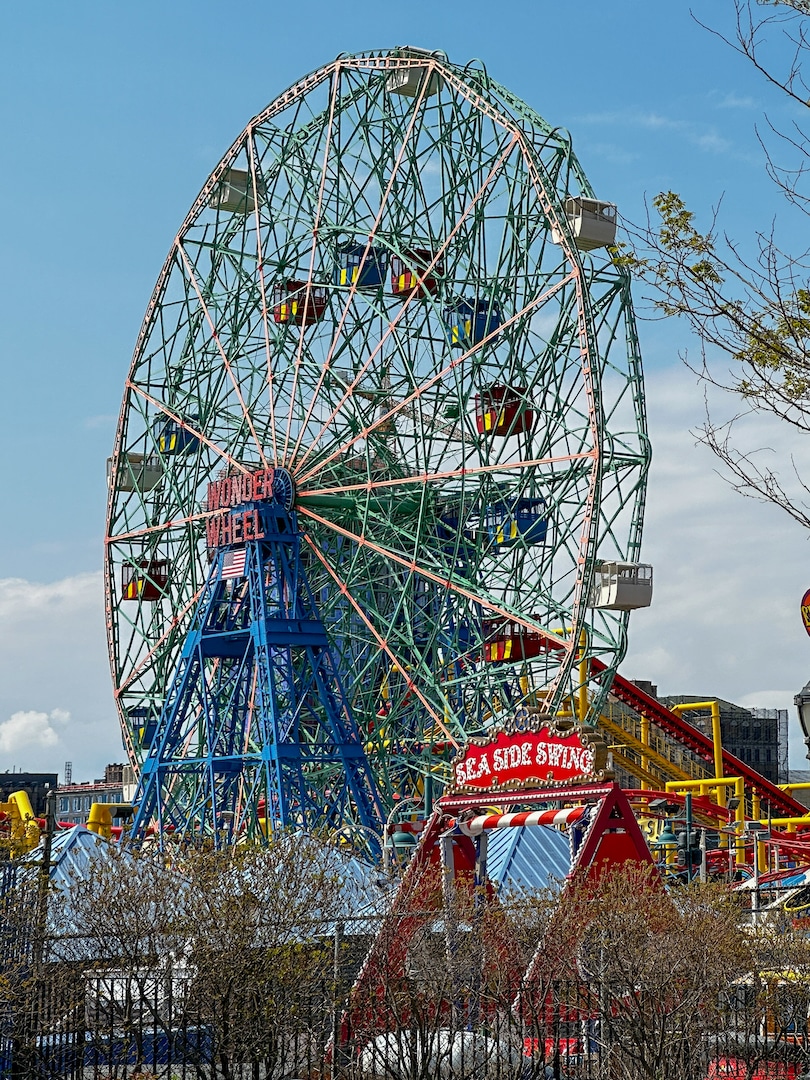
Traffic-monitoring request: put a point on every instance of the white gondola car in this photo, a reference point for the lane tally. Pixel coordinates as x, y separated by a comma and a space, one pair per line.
136, 472
234, 192
622, 586
592, 222
407, 81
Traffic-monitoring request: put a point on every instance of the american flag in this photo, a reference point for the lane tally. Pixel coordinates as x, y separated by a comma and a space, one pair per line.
233, 565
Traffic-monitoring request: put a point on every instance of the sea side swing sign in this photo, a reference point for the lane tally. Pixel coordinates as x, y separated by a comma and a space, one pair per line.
537, 753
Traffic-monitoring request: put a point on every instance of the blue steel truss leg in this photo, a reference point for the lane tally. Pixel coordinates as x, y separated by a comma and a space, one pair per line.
256, 732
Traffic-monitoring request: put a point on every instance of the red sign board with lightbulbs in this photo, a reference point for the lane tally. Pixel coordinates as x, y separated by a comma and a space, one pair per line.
533, 752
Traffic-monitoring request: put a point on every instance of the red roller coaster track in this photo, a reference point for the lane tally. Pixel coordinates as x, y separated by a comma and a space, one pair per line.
699, 744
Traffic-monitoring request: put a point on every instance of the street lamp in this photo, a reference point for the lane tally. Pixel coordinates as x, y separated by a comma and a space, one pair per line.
802, 703
401, 838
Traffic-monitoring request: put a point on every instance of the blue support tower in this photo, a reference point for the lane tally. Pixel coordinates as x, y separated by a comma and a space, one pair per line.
256, 732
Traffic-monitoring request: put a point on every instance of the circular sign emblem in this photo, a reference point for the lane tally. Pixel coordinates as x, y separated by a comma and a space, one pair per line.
806, 611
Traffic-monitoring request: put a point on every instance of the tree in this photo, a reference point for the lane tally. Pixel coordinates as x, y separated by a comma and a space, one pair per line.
754, 310
641, 968
260, 929
219, 960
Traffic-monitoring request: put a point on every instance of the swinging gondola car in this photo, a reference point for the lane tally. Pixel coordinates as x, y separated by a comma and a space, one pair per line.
145, 579
450, 529
136, 472
507, 641
234, 192
144, 722
503, 410
592, 222
409, 267
468, 322
296, 302
509, 521
361, 265
622, 586
173, 437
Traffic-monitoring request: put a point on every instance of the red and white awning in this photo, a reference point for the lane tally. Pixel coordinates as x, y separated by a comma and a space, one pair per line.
475, 826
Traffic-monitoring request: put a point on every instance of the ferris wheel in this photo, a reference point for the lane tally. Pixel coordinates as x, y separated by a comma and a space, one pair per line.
391, 321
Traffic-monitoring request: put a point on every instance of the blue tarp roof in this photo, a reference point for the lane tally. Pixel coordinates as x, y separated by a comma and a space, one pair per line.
526, 859
364, 893
72, 853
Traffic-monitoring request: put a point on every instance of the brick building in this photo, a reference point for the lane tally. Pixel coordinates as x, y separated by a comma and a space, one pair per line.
73, 801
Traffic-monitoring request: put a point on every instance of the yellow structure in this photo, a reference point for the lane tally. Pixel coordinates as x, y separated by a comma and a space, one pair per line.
100, 820
715, 787
717, 737
24, 826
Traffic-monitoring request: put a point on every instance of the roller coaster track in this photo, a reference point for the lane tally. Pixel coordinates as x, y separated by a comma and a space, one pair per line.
699, 744
627, 739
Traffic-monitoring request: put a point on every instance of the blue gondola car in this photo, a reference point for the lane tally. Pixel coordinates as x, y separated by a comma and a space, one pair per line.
347, 266
468, 322
449, 532
512, 521
172, 438
144, 722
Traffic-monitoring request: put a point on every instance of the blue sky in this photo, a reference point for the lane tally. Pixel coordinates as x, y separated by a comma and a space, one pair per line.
112, 115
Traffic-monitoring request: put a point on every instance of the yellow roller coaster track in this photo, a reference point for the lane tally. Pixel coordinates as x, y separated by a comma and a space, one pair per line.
621, 734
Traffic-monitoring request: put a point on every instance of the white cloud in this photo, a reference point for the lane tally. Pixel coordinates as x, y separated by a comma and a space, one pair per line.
31, 729
703, 136
55, 694
729, 571
737, 101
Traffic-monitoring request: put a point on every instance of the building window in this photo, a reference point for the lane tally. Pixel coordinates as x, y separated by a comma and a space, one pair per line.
64, 805
77, 804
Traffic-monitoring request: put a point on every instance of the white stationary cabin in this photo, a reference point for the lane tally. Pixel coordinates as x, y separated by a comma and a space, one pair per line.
622, 586
234, 192
136, 472
592, 222
407, 81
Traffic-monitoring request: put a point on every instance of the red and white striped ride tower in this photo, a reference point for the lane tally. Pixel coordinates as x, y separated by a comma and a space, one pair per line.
533, 774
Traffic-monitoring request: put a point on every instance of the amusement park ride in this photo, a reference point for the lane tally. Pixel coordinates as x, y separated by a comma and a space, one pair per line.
375, 512
378, 485
379, 473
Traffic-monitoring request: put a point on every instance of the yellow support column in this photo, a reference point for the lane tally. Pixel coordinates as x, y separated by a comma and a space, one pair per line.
100, 820
645, 738
524, 683
718, 785
582, 693
717, 738
739, 817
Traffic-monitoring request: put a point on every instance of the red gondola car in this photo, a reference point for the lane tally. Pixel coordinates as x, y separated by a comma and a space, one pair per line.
406, 269
293, 303
509, 642
144, 580
503, 410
